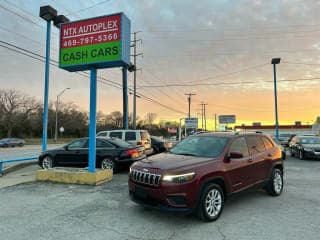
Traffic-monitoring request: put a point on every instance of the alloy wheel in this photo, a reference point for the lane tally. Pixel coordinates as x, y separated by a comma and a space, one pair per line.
47, 163
213, 203
277, 182
107, 164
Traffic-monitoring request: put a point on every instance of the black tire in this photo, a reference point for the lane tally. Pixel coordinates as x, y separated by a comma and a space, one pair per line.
108, 163
275, 183
292, 153
301, 155
211, 202
47, 162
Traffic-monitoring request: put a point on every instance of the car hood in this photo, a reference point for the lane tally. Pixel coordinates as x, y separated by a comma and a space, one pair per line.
169, 161
311, 145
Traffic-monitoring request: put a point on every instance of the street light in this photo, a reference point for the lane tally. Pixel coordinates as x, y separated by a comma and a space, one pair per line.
57, 105
48, 14
275, 61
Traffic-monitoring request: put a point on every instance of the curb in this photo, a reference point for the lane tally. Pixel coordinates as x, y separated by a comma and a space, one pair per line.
17, 167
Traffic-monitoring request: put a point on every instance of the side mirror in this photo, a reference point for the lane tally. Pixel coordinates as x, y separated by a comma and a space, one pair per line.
235, 155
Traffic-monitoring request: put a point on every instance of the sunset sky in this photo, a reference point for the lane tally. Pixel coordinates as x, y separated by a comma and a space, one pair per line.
220, 50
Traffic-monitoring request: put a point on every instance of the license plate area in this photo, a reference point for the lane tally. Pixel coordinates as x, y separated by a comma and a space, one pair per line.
140, 192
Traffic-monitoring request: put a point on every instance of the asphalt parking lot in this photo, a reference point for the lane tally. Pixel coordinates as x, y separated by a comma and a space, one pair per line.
57, 211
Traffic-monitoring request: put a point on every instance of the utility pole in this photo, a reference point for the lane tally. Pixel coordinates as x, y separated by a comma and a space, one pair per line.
134, 45
204, 115
215, 122
189, 101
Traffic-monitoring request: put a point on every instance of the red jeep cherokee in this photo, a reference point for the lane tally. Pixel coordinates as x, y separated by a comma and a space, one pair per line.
202, 171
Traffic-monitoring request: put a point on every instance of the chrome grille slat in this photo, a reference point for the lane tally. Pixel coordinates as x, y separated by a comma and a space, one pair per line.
145, 178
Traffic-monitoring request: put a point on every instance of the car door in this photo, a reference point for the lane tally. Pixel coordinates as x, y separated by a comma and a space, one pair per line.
73, 154
259, 158
105, 149
239, 169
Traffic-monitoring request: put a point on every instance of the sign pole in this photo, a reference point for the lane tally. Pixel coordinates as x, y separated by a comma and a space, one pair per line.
125, 96
46, 90
92, 126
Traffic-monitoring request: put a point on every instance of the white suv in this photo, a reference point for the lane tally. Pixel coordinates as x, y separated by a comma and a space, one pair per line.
136, 137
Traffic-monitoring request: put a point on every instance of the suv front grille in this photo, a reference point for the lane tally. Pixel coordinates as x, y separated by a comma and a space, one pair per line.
145, 178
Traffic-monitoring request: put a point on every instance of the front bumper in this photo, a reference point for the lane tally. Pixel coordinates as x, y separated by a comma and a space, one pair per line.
168, 197
312, 154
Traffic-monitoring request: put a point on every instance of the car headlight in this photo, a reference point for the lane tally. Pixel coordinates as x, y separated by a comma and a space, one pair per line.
180, 178
308, 149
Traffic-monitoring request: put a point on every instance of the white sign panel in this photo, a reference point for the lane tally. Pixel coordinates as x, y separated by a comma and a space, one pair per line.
227, 119
191, 122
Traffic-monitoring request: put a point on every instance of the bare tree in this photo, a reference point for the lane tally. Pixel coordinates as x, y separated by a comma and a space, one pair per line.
150, 118
15, 108
114, 119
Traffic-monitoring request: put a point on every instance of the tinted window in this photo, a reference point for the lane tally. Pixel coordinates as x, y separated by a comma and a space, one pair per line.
116, 135
240, 145
103, 144
311, 140
209, 146
120, 143
77, 144
268, 144
144, 135
102, 134
255, 144
157, 139
129, 136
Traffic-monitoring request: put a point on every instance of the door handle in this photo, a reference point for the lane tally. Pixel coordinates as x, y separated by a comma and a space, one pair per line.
250, 160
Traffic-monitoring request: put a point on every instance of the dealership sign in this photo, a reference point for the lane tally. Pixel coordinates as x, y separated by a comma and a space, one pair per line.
191, 122
100, 42
227, 119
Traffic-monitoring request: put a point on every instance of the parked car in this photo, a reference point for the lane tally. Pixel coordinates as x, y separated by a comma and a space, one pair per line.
284, 138
159, 144
136, 137
12, 142
201, 172
305, 147
110, 154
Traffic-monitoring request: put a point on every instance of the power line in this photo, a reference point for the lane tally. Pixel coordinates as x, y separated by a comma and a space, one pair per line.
226, 83
86, 8
19, 15
101, 79
230, 29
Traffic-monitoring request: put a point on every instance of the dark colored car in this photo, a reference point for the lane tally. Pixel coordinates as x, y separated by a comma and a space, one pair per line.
12, 142
160, 145
305, 147
201, 172
285, 138
110, 154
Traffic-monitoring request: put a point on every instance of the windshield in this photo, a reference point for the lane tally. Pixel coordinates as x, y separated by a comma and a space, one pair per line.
158, 139
313, 140
201, 146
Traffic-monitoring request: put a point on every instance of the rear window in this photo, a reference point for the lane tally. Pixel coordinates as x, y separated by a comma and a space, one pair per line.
120, 143
116, 135
200, 146
130, 136
145, 135
103, 144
